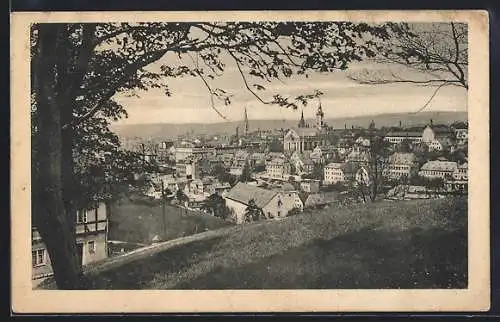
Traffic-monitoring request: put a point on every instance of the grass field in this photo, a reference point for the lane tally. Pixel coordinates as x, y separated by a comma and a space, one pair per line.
140, 222
404, 244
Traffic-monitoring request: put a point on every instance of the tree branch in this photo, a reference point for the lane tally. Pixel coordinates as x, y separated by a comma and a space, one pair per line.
208, 87
431, 98
245, 80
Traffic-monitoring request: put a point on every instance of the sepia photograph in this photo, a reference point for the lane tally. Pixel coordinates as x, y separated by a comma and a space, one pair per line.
245, 154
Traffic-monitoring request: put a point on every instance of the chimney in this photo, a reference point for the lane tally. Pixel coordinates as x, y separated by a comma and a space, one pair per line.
400, 124
430, 122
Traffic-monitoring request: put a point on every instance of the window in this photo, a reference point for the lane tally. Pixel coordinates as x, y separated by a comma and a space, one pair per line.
279, 213
91, 246
81, 216
38, 257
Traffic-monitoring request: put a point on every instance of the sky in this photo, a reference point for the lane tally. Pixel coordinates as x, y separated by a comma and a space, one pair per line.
343, 97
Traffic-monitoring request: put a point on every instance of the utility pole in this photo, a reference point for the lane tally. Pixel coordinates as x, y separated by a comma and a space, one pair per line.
163, 208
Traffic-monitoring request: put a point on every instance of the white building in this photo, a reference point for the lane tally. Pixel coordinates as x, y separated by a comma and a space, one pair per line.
333, 173
401, 164
91, 241
398, 137
278, 169
438, 169
272, 204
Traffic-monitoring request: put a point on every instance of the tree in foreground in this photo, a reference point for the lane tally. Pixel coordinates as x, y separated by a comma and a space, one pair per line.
77, 69
252, 212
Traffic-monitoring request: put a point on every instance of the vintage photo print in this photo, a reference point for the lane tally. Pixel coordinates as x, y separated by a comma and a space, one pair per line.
274, 161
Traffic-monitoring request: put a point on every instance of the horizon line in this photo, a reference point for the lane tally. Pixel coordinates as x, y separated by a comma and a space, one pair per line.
287, 120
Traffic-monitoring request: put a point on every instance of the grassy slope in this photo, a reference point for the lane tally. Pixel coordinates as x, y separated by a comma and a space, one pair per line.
139, 223
409, 244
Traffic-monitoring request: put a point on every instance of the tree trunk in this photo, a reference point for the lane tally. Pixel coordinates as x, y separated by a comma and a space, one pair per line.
52, 221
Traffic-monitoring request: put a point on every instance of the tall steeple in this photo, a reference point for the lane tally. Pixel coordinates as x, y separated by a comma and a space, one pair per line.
319, 117
246, 122
302, 122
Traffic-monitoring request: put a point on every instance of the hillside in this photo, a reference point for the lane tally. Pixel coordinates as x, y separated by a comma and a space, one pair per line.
172, 130
407, 244
140, 222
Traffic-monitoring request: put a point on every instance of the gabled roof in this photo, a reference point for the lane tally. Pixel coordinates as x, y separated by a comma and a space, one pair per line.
404, 134
306, 131
243, 193
402, 158
439, 166
314, 199
334, 165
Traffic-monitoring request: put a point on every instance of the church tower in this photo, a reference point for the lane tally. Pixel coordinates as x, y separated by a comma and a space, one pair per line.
319, 117
302, 122
246, 122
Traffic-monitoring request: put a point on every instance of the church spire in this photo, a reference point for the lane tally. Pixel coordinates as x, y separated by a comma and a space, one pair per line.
319, 116
246, 122
302, 122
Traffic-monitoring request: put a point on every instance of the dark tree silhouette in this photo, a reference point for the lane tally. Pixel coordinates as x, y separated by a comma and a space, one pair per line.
252, 212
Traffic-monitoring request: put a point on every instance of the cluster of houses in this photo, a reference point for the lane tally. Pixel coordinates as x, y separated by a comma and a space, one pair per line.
308, 162
279, 181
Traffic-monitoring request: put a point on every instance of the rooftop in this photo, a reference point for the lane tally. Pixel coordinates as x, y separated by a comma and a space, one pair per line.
404, 134
402, 158
243, 193
439, 166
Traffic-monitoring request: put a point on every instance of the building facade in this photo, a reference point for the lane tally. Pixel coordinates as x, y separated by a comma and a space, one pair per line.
278, 169
438, 169
91, 241
401, 165
272, 204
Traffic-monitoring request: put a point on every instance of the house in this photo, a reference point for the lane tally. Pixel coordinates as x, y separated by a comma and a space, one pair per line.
359, 156
362, 142
221, 188
169, 182
291, 196
91, 241
189, 169
438, 169
272, 204
432, 133
278, 169
461, 133
204, 186
318, 155
240, 158
186, 150
396, 137
316, 200
435, 145
309, 185
307, 164
461, 173
257, 158
401, 164
333, 173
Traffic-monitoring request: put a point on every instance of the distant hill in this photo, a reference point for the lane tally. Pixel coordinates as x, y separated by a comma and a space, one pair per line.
167, 130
